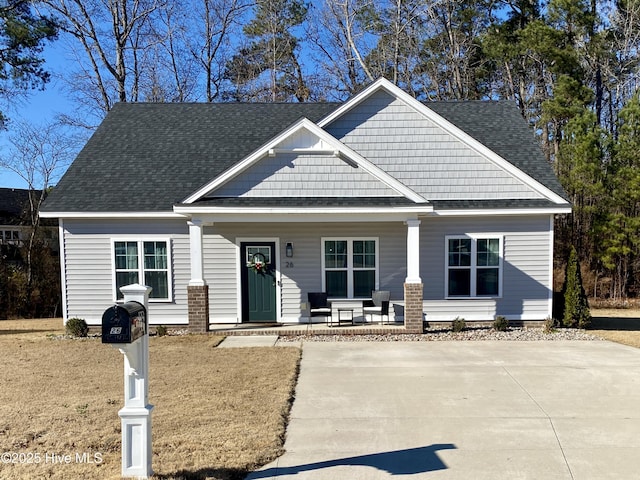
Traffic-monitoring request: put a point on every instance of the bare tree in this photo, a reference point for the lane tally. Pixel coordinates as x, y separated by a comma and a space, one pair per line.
401, 28
450, 56
168, 72
111, 33
38, 154
621, 67
342, 38
213, 22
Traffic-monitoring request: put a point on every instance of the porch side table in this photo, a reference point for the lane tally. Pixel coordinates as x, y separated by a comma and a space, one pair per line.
348, 310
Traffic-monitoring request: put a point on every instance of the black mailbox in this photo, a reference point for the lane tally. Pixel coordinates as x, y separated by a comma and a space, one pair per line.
124, 323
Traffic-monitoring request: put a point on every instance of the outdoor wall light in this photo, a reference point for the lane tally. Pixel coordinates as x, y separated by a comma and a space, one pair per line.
289, 250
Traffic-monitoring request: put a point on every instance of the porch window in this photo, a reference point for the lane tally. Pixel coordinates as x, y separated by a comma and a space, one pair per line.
350, 267
474, 266
142, 261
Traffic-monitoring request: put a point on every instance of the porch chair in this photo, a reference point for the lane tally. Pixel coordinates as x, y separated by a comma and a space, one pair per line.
378, 305
319, 305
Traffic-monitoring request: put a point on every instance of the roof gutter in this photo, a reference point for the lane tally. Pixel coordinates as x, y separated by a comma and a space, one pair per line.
560, 209
87, 215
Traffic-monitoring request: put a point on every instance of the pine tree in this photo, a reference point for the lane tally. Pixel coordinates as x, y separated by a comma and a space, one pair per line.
268, 68
22, 39
580, 168
576, 306
620, 226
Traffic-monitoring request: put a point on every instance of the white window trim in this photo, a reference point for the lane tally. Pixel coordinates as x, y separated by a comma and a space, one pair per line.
350, 268
140, 241
474, 237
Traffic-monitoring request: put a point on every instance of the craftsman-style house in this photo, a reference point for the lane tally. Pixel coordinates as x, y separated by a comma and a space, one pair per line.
449, 206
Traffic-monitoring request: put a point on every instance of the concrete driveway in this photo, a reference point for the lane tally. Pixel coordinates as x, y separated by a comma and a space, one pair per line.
464, 410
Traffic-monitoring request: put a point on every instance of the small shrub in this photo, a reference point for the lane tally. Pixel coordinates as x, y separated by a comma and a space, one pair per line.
501, 324
77, 327
161, 330
550, 325
458, 325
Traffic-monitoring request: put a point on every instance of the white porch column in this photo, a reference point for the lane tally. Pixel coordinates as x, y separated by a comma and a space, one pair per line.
195, 246
413, 299
413, 251
197, 290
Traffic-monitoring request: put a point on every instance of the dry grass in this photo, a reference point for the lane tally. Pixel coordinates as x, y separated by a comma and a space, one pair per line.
219, 413
617, 325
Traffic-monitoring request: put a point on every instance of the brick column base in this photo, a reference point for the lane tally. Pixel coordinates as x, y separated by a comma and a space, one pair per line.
198, 303
413, 308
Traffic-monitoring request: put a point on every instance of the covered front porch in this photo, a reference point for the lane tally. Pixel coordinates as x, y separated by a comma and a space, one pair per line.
295, 274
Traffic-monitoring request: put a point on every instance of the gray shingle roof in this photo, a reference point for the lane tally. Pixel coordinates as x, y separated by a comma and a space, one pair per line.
518, 203
13, 203
149, 156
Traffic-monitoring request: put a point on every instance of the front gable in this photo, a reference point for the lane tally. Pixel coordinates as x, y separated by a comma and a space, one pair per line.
305, 161
384, 143
426, 152
303, 175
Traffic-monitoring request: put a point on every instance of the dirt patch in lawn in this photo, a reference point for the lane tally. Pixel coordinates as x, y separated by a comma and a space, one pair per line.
617, 325
218, 414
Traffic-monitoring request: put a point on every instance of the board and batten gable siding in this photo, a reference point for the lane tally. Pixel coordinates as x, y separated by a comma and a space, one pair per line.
421, 155
526, 281
291, 175
89, 266
301, 273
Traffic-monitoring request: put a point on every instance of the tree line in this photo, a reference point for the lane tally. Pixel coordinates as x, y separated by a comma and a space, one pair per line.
571, 66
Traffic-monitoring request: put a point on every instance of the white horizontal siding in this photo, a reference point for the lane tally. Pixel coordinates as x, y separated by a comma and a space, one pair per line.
526, 281
289, 175
421, 155
300, 274
89, 276
526, 278
219, 256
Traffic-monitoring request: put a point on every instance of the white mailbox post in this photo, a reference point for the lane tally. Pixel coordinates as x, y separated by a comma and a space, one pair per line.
136, 414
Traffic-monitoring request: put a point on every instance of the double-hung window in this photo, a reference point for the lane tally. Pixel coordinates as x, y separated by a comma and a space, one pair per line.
474, 266
143, 261
349, 267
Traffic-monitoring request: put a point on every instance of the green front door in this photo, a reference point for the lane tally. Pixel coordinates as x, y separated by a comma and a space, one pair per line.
258, 276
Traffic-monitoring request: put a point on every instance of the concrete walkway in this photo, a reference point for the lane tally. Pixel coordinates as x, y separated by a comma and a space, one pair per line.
464, 410
249, 341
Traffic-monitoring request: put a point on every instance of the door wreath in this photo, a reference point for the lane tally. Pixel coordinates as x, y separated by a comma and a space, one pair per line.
258, 263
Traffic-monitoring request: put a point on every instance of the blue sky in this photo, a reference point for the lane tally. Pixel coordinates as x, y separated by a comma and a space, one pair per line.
39, 107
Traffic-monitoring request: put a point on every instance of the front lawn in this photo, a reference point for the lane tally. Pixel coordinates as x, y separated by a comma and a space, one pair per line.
218, 414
